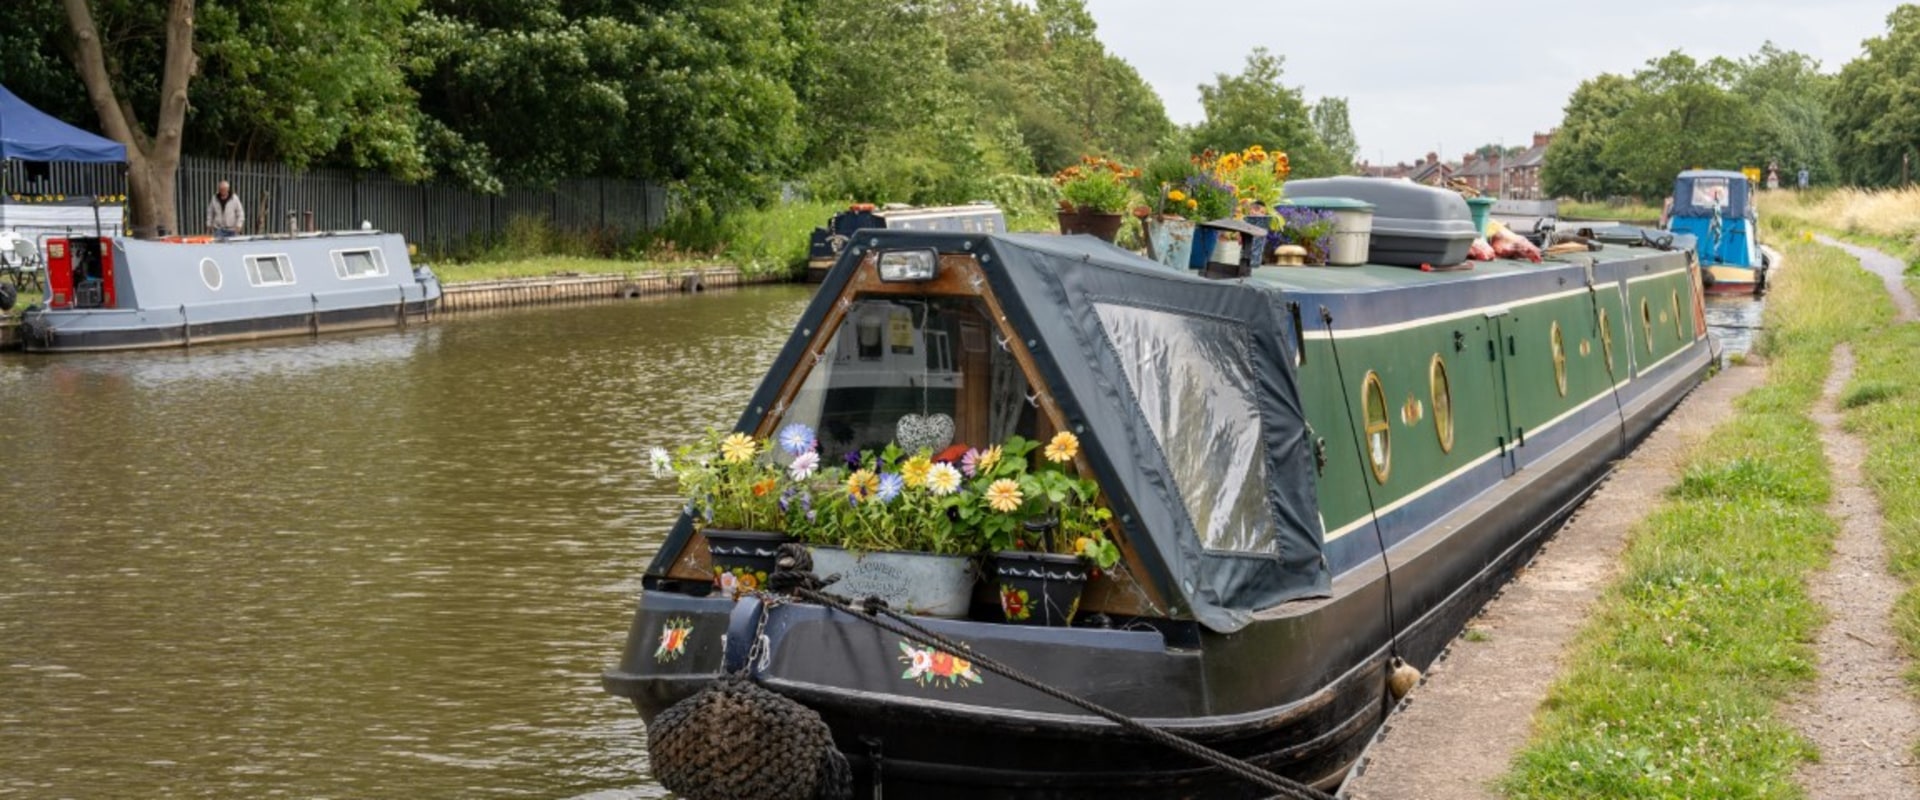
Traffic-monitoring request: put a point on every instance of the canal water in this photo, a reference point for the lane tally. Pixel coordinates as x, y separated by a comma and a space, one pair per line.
1734, 321
389, 565
383, 566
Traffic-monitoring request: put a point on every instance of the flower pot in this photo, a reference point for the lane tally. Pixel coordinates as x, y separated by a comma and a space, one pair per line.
1172, 240
917, 583
1099, 225
742, 559
1203, 241
1038, 588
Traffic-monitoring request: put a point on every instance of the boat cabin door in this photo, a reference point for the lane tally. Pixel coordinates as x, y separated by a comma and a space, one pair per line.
1495, 351
80, 272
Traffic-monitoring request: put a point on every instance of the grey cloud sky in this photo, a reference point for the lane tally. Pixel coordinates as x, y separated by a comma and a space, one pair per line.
1448, 75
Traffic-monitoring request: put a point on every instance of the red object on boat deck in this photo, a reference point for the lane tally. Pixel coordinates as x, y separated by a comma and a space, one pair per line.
59, 274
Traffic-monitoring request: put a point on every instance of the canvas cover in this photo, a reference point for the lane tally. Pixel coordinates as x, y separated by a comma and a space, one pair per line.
1183, 393
29, 134
1697, 192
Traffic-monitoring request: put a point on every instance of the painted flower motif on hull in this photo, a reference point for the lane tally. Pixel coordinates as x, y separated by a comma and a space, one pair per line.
673, 639
931, 666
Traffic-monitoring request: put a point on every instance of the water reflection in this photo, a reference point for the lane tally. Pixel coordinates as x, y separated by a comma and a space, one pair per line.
1734, 321
380, 566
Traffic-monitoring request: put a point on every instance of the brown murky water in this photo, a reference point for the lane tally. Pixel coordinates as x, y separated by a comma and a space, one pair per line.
384, 566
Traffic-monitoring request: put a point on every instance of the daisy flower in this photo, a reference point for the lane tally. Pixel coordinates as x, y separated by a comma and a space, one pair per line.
1063, 447
943, 479
915, 470
862, 484
738, 448
1004, 496
890, 485
660, 461
987, 459
803, 465
796, 438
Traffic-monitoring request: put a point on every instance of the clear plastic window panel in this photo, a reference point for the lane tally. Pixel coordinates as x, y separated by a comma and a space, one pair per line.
1194, 381
355, 263
924, 373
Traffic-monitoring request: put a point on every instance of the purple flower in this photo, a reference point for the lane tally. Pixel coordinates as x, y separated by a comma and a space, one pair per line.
796, 438
890, 485
803, 465
853, 459
970, 461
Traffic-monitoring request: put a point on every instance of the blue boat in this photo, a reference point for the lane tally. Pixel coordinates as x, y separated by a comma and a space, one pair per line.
1716, 208
107, 293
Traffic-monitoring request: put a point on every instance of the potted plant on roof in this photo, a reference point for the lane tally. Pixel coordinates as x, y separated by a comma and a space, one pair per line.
1093, 196
887, 524
1048, 527
731, 487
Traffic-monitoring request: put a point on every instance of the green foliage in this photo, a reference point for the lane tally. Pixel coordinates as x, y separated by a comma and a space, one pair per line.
1575, 166
1335, 130
1254, 107
1685, 114
1869, 392
1028, 201
1875, 113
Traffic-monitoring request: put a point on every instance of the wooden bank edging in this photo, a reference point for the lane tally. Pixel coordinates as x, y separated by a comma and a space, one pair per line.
478, 295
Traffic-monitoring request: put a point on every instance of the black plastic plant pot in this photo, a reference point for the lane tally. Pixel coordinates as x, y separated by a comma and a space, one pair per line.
742, 560
1038, 588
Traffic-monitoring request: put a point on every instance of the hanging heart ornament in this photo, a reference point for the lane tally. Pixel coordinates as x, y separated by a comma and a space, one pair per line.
916, 432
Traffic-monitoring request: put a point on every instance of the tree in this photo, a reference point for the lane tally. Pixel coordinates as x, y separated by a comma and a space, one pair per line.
1575, 165
1788, 95
153, 154
1253, 107
1335, 130
1875, 110
1684, 115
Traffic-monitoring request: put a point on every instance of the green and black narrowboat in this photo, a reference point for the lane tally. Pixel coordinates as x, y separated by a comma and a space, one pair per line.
1312, 471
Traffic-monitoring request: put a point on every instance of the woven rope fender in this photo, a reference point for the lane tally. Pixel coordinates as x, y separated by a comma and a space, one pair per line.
736, 740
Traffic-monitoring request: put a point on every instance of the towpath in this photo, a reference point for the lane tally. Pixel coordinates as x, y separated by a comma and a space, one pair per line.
1462, 726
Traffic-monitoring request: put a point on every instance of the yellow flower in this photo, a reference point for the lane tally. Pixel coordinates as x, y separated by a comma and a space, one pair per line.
1177, 196
862, 484
1063, 448
987, 459
1004, 496
1192, 204
737, 448
915, 470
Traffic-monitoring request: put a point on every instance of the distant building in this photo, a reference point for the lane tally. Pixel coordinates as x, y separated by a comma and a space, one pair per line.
1482, 173
1431, 171
1521, 174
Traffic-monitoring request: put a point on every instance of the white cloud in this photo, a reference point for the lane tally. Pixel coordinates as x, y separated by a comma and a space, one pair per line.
1449, 75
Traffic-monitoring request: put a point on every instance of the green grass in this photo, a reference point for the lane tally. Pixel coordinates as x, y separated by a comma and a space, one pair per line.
1625, 212
450, 273
1673, 687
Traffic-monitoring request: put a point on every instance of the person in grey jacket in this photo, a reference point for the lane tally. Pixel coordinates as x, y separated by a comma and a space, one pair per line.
226, 215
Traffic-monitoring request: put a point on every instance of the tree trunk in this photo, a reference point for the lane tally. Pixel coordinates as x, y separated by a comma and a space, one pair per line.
152, 161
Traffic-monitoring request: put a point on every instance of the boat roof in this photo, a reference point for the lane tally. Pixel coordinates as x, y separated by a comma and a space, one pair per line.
1712, 173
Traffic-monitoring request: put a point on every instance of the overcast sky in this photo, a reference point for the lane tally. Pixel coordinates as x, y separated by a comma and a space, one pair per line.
1449, 76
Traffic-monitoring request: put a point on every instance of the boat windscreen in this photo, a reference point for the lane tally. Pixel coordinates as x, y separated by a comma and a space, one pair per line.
924, 373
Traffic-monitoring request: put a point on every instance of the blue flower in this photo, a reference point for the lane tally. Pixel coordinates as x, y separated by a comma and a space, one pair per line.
796, 438
890, 485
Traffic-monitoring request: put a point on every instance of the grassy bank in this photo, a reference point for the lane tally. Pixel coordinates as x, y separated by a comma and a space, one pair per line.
1623, 212
1672, 688
1888, 220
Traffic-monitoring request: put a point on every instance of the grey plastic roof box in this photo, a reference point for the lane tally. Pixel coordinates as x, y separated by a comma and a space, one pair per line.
1412, 224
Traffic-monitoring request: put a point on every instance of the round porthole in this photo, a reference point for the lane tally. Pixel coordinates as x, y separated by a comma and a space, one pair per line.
1677, 330
1379, 435
210, 274
1559, 360
1606, 339
1442, 403
1646, 325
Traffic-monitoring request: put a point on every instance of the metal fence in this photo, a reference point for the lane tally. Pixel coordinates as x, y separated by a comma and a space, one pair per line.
436, 216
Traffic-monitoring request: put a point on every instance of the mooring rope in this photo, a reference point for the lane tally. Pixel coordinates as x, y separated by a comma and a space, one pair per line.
912, 631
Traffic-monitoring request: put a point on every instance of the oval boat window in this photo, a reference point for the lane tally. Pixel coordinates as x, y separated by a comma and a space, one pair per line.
1559, 360
1677, 330
1379, 436
1646, 324
210, 274
1606, 339
1442, 403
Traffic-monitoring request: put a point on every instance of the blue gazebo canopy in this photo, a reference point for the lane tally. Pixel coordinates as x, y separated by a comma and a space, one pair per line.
28, 134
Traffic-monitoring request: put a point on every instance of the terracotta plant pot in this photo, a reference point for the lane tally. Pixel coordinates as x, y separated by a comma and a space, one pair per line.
1099, 225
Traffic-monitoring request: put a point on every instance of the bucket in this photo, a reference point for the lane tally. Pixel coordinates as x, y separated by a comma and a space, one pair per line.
1172, 240
1352, 228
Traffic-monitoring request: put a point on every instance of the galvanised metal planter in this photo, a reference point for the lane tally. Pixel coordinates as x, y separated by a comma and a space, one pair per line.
918, 583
